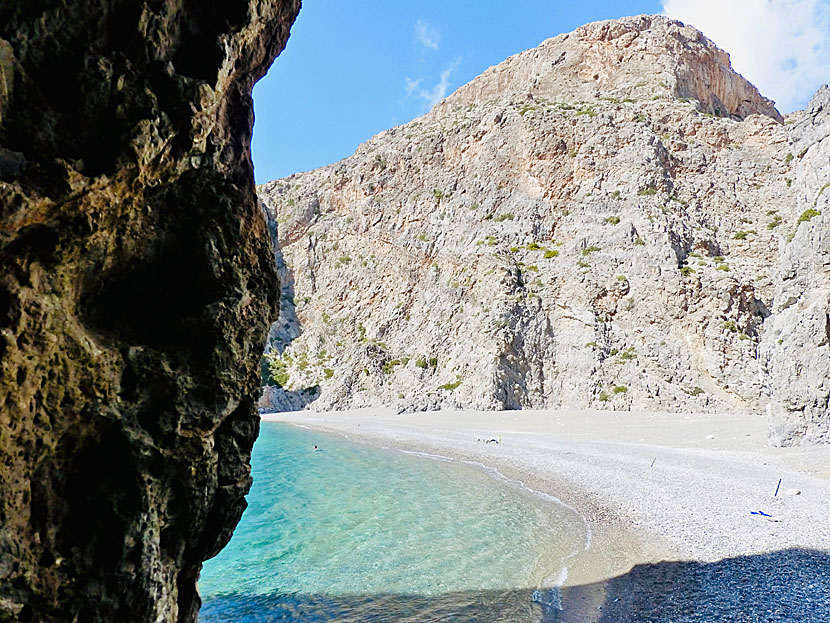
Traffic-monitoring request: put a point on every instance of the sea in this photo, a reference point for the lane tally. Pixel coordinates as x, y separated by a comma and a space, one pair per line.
355, 533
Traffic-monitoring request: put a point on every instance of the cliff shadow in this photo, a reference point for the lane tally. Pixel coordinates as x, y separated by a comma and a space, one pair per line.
786, 586
287, 328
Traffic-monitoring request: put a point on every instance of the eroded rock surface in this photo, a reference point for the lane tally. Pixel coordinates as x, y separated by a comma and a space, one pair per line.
137, 283
795, 351
597, 222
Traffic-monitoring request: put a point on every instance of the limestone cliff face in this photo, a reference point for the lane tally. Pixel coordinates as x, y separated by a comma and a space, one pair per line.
137, 284
795, 351
597, 222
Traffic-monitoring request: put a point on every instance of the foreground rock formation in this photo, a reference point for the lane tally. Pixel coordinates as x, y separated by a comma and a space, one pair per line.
601, 222
136, 289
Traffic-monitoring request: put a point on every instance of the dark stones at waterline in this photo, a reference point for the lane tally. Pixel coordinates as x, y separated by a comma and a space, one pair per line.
136, 289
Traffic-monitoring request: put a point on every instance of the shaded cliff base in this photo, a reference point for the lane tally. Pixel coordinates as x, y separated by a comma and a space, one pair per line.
672, 504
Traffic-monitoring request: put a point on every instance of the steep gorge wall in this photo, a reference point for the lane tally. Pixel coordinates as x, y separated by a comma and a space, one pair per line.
595, 223
137, 284
795, 351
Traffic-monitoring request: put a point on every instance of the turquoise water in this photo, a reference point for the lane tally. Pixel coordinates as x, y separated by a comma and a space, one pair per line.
357, 533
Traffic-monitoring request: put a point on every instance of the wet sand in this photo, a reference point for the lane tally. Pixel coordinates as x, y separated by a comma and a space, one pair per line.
672, 502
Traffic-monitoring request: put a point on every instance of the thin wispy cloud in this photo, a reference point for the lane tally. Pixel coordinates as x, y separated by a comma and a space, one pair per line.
439, 91
412, 85
427, 35
781, 46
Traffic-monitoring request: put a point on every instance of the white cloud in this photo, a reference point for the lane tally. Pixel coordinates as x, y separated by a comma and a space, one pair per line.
427, 35
439, 91
412, 85
781, 46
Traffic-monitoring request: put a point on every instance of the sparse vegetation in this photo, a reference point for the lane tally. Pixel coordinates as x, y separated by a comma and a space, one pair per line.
278, 370
695, 391
451, 386
808, 214
588, 250
612, 220
730, 326
639, 242
628, 354
775, 222
549, 253
389, 366
603, 397
686, 271
620, 389
646, 192
533, 246
507, 216
740, 235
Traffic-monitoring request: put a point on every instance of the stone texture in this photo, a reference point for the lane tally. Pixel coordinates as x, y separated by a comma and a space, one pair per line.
795, 351
596, 222
136, 289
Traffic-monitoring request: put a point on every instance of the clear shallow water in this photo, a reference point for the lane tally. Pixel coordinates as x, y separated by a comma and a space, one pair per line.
357, 533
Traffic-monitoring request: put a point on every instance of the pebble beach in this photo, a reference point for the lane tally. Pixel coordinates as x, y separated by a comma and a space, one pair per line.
691, 517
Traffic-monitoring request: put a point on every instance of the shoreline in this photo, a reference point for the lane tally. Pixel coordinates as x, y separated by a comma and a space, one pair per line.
658, 492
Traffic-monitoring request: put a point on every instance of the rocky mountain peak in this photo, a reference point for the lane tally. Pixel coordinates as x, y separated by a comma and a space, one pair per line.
613, 220
636, 57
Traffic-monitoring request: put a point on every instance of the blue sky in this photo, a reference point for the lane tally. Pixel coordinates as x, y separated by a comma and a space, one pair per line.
353, 69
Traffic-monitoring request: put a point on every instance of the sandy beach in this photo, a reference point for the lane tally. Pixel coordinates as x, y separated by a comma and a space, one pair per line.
684, 520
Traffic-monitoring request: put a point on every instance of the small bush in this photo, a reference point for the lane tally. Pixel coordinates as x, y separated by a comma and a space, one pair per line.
533, 246
549, 253
730, 326
433, 362
646, 192
603, 397
589, 250
421, 362
686, 271
620, 389
808, 214
628, 354
450, 386
508, 216
328, 372
639, 242
613, 220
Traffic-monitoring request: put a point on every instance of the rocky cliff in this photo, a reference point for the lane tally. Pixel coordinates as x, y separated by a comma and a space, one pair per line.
597, 222
795, 350
136, 289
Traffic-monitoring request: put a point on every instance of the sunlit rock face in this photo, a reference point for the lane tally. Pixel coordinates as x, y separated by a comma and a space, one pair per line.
136, 288
597, 222
795, 351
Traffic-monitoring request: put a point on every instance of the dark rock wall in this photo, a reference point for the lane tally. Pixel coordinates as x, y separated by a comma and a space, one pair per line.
136, 287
